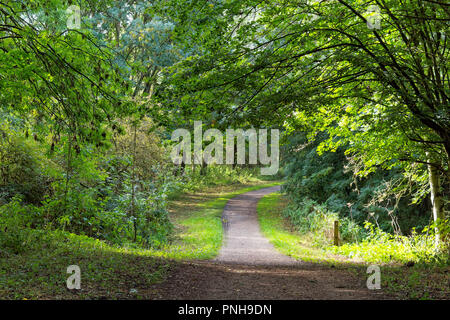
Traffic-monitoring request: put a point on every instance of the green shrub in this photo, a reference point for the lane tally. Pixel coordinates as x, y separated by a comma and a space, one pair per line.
22, 167
316, 219
328, 179
58, 182
382, 247
370, 243
194, 179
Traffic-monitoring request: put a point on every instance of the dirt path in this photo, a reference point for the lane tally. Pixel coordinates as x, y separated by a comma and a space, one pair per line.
214, 281
249, 267
244, 242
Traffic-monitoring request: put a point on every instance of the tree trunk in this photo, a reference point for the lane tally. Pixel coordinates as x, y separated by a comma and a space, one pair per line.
436, 200
203, 168
235, 155
133, 185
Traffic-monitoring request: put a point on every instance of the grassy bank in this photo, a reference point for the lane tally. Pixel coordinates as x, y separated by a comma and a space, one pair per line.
40, 270
404, 281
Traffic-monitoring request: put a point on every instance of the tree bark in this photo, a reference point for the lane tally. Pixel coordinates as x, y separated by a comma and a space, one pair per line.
436, 200
203, 167
133, 185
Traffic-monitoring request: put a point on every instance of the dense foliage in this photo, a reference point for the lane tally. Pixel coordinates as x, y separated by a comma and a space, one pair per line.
87, 112
364, 84
329, 180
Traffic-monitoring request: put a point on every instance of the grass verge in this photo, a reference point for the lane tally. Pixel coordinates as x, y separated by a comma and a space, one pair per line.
418, 281
39, 271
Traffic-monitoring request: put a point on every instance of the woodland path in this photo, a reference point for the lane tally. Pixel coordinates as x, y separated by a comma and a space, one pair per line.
249, 267
244, 242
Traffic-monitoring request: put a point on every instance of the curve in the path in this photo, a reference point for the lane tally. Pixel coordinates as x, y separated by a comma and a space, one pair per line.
244, 242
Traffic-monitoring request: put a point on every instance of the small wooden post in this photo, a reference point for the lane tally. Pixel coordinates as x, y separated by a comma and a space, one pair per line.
336, 232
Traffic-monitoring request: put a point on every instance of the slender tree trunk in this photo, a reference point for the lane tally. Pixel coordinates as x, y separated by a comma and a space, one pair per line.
203, 168
182, 166
133, 184
69, 166
117, 26
235, 155
436, 199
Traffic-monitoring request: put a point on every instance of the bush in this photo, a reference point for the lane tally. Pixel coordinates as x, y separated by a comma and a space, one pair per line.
22, 167
316, 219
15, 222
194, 179
328, 179
382, 247
370, 243
58, 182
